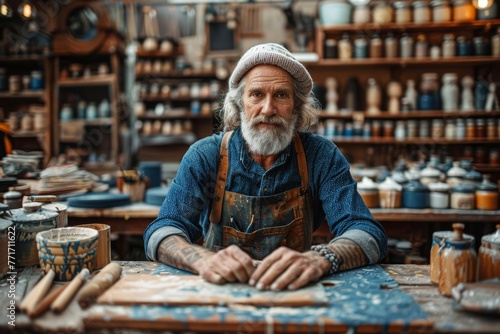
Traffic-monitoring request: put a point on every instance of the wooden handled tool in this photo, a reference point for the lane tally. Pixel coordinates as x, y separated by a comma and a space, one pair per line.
69, 292
44, 305
41, 198
37, 293
98, 284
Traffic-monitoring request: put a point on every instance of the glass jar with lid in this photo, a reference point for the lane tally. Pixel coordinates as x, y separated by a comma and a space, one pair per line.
402, 12
421, 12
463, 10
406, 46
345, 47
448, 49
421, 47
376, 46
382, 13
391, 46
361, 14
441, 10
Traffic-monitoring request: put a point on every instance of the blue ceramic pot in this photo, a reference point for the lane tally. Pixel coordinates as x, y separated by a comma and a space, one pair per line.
415, 195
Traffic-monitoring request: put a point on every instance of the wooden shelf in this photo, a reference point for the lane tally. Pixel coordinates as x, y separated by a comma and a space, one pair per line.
183, 75
435, 215
92, 122
24, 94
403, 62
94, 80
434, 141
20, 59
176, 99
26, 134
167, 116
410, 27
420, 114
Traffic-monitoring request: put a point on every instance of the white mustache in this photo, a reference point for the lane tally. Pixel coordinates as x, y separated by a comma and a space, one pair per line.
269, 120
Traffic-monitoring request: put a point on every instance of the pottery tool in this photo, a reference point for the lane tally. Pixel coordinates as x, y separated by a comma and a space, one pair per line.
69, 292
41, 198
37, 293
98, 284
22, 283
45, 303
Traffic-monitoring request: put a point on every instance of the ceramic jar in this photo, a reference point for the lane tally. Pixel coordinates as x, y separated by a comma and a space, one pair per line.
449, 92
430, 174
421, 12
382, 13
345, 47
449, 46
439, 197
472, 177
361, 14
458, 261
489, 256
415, 195
486, 195
441, 11
463, 197
463, 10
368, 190
455, 174
402, 12
389, 192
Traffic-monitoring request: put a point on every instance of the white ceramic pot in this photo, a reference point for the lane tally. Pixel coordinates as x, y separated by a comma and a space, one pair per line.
334, 12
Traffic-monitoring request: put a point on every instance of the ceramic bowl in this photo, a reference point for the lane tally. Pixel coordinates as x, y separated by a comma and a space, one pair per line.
67, 250
334, 12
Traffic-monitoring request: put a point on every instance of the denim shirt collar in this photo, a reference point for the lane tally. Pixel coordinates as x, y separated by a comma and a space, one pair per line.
245, 158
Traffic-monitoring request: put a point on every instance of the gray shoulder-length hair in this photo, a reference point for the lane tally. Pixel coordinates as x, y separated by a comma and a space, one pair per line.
306, 107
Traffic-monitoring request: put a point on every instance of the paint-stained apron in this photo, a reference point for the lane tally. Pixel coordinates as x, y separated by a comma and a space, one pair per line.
260, 224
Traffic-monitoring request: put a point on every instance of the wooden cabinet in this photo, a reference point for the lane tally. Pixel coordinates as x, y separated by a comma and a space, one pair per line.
174, 105
388, 147
87, 116
25, 101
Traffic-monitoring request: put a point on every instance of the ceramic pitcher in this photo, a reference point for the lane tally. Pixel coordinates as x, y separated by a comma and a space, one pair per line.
458, 261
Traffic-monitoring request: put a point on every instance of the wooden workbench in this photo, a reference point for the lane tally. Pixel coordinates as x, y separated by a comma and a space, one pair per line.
430, 312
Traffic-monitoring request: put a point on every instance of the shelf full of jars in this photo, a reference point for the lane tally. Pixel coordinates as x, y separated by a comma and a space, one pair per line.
25, 94
175, 99
86, 98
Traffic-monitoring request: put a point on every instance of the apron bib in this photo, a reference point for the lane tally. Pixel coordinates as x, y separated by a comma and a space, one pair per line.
260, 224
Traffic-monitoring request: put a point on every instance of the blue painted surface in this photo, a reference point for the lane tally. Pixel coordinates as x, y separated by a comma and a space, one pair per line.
365, 296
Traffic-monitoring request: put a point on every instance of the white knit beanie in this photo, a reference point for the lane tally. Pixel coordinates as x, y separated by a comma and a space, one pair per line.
272, 54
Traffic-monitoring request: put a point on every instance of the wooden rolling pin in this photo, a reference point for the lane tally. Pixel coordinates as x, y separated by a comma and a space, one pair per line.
70, 291
44, 305
31, 300
98, 284
40, 198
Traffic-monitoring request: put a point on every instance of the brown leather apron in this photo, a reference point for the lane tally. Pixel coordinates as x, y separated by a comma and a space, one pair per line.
260, 224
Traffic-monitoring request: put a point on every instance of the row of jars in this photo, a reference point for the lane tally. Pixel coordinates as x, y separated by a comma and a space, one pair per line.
217, 67
450, 129
85, 110
194, 90
165, 128
408, 46
16, 82
196, 107
453, 258
421, 12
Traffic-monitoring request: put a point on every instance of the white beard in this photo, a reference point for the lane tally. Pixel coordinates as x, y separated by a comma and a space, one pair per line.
267, 141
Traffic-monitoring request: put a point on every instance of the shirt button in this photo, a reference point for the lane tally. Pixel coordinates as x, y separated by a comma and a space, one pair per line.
265, 189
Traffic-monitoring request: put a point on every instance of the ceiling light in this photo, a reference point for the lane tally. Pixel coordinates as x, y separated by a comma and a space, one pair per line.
26, 10
5, 10
482, 4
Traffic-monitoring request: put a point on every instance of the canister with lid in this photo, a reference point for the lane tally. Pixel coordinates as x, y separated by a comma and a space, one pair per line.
415, 195
463, 197
368, 190
455, 174
390, 193
421, 12
449, 46
439, 197
361, 14
441, 11
391, 46
402, 12
406, 46
430, 174
472, 177
463, 10
489, 256
458, 261
486, 195
382, 13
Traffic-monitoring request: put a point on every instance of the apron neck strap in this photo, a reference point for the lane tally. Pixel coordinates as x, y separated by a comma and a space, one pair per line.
220, 183
301, 160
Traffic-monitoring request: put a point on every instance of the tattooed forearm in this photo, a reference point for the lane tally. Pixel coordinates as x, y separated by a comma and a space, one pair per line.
351, 254
177, 252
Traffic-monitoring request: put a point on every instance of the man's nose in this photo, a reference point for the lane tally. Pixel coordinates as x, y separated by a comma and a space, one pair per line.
268, 107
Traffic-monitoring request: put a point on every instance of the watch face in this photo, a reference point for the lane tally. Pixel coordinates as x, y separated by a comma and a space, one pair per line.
82, 23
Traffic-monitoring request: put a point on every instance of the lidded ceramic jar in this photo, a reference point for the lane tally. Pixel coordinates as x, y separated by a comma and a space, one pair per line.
455, 174
486, 195
430, 174
402, 12
415, 195
441, 11
438, 239
472, 177
382, 13
489, 256
421, 12
368, 190
463, 197
361, 14
390, 193
458, 261
463, 10
439, 197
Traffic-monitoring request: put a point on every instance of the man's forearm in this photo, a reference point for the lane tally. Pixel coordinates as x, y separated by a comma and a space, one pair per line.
352, 256
175, 251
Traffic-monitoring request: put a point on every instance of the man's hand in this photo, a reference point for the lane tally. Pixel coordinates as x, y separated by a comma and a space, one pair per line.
288, 269
230, 264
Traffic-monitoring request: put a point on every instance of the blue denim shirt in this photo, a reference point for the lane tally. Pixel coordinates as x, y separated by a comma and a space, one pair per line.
185, 210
